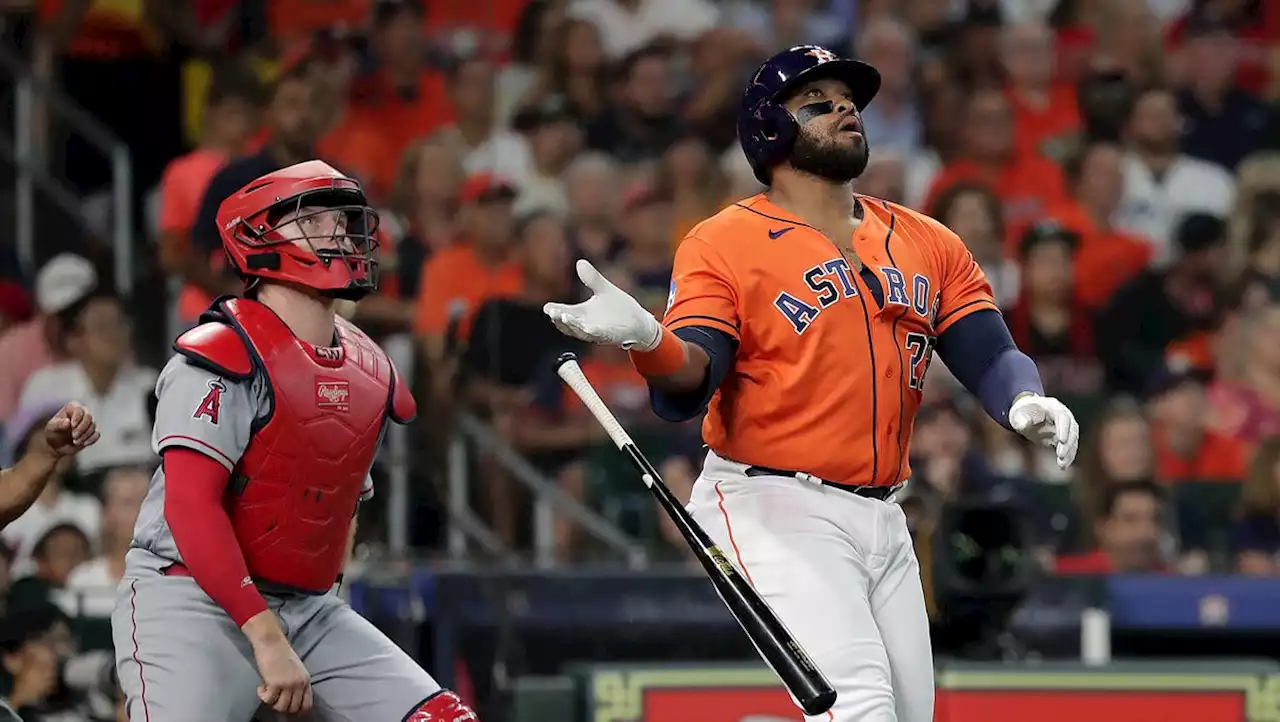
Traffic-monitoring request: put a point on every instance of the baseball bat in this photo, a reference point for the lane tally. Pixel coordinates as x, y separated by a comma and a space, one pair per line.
769, 635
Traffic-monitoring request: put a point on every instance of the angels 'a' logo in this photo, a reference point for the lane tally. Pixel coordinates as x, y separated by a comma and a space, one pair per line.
822, 54
211, 406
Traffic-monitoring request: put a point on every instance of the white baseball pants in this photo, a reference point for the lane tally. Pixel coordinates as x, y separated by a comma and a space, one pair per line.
840, 571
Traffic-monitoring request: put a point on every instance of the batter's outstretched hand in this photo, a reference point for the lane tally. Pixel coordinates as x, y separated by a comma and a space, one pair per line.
1049, 422
609, 318
70, 430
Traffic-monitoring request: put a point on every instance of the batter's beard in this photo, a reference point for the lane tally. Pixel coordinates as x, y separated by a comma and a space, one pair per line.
829, 160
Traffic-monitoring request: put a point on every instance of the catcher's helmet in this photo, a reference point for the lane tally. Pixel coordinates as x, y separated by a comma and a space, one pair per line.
307, 224
765, 128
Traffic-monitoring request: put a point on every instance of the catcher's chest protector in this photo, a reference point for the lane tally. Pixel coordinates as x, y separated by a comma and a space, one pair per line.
294, 492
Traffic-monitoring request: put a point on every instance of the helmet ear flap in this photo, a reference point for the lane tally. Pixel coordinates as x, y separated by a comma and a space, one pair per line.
778, 132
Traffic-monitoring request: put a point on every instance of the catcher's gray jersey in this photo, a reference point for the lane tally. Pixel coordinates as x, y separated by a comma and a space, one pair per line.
210, 414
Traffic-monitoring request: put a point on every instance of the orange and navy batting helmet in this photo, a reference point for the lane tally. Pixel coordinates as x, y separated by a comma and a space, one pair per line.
765, 128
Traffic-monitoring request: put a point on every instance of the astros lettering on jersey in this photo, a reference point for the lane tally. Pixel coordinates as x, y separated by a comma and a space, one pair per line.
831, 360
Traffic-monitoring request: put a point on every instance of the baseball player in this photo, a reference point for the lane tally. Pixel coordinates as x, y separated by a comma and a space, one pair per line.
805, 317
268, 420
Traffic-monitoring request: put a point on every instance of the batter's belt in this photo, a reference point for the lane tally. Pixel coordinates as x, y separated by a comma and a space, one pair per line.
880, 493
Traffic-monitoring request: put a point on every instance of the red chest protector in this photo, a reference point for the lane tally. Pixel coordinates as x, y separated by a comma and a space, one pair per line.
294, 491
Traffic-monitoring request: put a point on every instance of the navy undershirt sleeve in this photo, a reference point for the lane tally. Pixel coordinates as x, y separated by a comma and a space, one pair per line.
981, 354
721, 348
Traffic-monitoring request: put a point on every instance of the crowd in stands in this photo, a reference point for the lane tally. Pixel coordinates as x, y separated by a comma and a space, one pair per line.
1113, 165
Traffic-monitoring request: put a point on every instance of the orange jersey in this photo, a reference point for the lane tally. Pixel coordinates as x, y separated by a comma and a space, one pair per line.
826, 380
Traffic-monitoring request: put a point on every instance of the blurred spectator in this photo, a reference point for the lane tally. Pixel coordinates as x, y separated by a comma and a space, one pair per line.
1186, 448
90, 589
1254, 26
1117, 450
511, 344
1105, 257
292, 130
57, 551
101, 375
563, 430
574, 67
1161, 184
591, 184
33, 641
695, 182
646, 224
710, 97
783, 24
1106, 97
1255, 535
532, 47
1158, 307
643, 123
885, 177
56, 504
1248, 408
511, 338
893, 120
1027, 184
553, 139
485, 146
230, 117
941, 145
1129, 533
1048, 323
481, 265
975, 46
945, 462
626, 25
1222, 123
974, 213
1258, 183
399, 101
62, 283
424, 202
1046, 111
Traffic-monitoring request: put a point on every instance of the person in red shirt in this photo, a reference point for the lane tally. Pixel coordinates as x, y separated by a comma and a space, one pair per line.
232, 111
1106, 257
1046, 111
1128, 535
1186, 449
1027, 184
401, 101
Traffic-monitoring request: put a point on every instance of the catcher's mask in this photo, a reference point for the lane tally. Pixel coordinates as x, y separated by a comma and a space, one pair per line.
307, 225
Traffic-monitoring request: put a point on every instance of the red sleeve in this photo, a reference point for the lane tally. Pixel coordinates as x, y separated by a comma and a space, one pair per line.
194, 484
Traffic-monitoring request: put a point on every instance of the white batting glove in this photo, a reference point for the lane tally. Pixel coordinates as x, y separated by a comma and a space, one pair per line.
1049, 422
609, 318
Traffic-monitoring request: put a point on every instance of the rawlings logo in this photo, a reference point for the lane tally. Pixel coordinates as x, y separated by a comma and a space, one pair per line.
333, 395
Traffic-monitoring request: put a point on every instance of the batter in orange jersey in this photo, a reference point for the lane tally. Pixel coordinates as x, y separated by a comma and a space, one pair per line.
804, 320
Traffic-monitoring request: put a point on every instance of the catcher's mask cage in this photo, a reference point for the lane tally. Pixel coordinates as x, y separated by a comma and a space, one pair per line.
333, 251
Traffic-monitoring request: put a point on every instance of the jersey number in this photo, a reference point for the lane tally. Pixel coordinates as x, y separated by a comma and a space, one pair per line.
921, 348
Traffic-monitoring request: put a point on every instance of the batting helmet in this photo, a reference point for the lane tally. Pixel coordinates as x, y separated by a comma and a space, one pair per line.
307, 224
765, 128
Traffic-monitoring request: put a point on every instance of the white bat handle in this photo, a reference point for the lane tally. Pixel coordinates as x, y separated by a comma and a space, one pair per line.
571, 372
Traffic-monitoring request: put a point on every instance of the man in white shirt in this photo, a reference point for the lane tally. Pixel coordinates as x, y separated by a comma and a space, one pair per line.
1161, 184
485, 146
101, 375
628, 25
